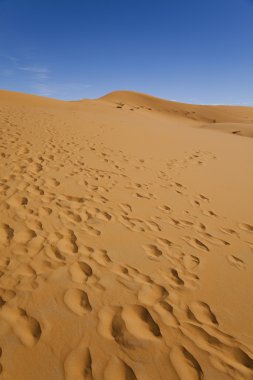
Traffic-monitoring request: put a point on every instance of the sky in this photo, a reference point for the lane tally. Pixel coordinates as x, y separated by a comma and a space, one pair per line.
194, 51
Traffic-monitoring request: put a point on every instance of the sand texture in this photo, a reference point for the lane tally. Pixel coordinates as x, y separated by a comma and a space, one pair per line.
126, 239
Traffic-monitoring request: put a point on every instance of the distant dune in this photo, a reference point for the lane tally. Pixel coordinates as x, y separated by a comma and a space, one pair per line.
231, 119
126, 239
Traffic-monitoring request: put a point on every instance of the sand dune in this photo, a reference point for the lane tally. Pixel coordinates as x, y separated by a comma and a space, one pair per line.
231, 119
126, 239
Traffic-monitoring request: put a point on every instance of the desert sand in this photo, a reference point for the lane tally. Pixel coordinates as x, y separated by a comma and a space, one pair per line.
126, 239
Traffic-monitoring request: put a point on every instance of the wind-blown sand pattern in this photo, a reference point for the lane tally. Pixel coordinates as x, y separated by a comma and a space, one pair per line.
126, 239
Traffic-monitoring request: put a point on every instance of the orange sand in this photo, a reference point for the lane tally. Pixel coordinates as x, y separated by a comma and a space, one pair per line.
126, 239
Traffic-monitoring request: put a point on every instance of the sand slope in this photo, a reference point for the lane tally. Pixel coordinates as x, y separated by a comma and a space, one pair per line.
126, 240
231, 119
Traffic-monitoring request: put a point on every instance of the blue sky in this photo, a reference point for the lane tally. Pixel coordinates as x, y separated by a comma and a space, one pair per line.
195, 51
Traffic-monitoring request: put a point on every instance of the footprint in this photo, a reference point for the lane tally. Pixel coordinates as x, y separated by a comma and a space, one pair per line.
120, 332
203, 197
196, 243
80, 272
153, 226
176, 278
165, 208
112, 326
101, 257
74, 218
126, 208
35, 225
24, 236
24, 326
105, 316
138, 276
54, 253
151, 293
6, 234
209, 213
186, 366
24, 270
246, 227
228, 231
134, 224
152, 251
45, 211
104, 216
6, 295
17, 201
165, 311
22, 150
78, 365
164, 242
68, 243
35, 168
230, 357
91, 230
52, 182
190, 261
118, 370
203, 313
121, 271
77, 301
140, 323
214, 240
236, 262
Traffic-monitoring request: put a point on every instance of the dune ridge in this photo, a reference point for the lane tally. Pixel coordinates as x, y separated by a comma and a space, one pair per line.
126, 239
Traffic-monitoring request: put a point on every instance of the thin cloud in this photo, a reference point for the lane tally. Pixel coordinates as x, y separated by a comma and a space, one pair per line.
66, 91
38, 71
38, 76
34, 69
10, 58
42, 89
